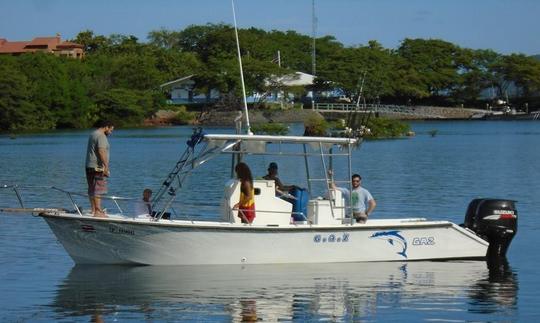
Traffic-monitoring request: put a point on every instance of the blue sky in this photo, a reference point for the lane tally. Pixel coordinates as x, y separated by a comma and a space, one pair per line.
506, 26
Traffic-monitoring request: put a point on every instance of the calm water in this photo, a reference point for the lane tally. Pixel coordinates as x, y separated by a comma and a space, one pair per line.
426, 176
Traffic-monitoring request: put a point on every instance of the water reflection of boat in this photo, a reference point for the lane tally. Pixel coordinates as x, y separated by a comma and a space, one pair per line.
281, 292
499, 288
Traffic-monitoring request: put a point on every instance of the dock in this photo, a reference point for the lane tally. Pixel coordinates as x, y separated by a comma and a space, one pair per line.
397, 111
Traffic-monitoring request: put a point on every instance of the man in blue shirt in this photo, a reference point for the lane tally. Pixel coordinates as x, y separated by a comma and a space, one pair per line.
362, 202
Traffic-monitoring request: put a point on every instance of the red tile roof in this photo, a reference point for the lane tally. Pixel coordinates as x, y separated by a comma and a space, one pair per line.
48, 42
39, 43
13, 47
68, 44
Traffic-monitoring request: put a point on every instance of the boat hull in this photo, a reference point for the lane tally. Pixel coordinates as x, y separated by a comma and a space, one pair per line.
504, 117
143, 242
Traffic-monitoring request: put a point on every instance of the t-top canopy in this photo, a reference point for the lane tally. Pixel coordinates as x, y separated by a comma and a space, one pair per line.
282, 139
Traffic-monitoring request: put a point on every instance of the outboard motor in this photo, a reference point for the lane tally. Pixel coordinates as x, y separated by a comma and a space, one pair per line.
494, 221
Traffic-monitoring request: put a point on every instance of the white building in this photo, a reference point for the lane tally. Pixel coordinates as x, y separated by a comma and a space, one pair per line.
182, 91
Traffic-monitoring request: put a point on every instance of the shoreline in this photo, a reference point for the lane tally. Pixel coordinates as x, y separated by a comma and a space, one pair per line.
164, 118
223, 118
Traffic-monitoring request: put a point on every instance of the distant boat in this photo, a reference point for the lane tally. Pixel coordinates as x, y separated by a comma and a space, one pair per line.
504, 111
511, 114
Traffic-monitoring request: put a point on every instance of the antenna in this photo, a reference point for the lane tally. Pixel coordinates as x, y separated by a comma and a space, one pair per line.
313, 51
361, 89
314, 34
241, 71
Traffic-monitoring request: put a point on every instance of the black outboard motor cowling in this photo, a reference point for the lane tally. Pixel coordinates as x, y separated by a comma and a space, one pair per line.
494, 221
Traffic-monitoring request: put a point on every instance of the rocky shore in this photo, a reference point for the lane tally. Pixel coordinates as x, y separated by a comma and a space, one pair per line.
440, 113
226, 118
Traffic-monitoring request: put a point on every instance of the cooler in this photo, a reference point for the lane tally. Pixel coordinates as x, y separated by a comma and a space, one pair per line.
300, 204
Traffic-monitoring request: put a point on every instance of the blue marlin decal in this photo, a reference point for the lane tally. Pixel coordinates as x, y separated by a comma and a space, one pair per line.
393, 238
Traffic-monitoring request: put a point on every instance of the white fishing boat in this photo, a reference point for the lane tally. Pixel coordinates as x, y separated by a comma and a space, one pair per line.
313, 230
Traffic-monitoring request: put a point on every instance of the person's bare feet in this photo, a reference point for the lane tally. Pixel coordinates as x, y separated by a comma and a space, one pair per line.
100, 214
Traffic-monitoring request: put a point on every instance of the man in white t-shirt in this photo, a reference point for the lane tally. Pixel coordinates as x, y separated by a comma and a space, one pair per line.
144, 206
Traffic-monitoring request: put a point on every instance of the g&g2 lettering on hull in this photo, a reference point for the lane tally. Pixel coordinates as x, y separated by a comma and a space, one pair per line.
331, 238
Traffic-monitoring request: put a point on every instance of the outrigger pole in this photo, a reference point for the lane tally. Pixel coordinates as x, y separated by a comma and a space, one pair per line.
241, 71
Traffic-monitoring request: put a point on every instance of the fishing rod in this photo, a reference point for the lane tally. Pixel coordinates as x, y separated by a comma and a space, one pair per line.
241, 70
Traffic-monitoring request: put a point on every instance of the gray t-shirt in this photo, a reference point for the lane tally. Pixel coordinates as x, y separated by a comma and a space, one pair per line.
360, 198
96, 141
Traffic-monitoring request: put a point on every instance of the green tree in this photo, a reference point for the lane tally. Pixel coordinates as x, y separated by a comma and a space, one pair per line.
522, 71
17, 112
80, 109
164, 38
476, 74
49, 82
91, 42
371, 65
123, 107
173, 64
209, 41
132, 71
431, 66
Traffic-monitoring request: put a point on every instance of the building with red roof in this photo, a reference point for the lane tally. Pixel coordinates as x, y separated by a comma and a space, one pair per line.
52, 45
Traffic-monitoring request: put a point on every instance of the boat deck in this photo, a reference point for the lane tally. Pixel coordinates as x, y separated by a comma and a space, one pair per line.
146, 220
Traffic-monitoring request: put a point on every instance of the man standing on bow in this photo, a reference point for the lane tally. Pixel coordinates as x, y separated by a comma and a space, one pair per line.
97, 165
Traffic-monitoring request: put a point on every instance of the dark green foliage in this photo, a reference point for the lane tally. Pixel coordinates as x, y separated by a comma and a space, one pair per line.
124, 107
90, 42
433, 64
183, 117
270, 129
379, 128
16, 108
315, 126
119, 77
387, 128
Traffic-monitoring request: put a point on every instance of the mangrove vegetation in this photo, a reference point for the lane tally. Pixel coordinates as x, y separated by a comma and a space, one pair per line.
119, 78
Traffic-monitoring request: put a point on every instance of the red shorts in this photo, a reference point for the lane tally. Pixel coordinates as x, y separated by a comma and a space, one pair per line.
248, 213
97, 182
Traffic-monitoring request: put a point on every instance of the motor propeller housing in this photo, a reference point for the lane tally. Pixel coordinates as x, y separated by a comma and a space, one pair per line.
494, 220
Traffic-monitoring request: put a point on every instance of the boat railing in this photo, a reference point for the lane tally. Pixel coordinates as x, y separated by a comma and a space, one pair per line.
26, 206
181, 211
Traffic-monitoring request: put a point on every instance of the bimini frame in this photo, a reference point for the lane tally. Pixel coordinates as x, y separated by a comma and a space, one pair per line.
204, 147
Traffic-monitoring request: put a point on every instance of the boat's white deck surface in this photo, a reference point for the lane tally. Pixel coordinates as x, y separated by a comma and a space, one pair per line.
305, 224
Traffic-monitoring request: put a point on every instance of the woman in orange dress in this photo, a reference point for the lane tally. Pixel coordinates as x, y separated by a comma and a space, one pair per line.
246, 205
